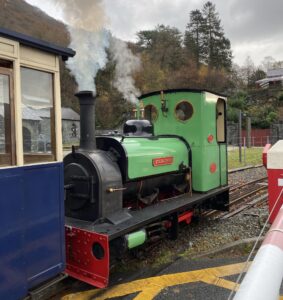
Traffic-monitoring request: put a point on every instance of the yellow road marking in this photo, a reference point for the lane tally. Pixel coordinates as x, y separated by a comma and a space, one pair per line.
148, 288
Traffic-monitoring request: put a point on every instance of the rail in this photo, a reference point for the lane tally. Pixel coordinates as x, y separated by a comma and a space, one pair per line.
243, 196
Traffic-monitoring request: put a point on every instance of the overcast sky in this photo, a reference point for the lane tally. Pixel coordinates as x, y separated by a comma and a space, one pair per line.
254, 27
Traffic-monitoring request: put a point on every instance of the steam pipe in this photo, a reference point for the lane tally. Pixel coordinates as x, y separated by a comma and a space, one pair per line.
87, 120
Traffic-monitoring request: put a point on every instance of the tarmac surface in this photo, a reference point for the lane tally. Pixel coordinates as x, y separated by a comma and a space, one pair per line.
199, 279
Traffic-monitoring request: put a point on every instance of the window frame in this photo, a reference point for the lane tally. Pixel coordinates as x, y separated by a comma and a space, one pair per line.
36, 157
157, 113
9, 159
175, 111
221, 128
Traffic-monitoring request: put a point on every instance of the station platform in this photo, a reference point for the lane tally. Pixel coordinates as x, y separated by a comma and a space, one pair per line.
199, 279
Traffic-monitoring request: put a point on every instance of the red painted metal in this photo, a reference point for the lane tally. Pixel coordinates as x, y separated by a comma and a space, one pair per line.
264, 154
213, 168
80, 260
162, 161
210, 138
184, 217
274, 190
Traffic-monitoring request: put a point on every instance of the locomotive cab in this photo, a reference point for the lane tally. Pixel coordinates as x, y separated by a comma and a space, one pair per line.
199, 117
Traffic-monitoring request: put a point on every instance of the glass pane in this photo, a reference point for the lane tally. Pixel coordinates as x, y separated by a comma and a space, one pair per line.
184, 111
5, 118
150, 113
37, 111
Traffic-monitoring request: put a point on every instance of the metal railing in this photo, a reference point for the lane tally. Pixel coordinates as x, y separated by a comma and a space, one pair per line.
253, 141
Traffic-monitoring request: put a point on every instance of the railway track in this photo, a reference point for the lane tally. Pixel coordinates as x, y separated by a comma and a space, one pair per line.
242, 197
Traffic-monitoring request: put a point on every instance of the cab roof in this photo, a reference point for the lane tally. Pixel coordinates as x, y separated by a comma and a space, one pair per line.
180, 90
27, 40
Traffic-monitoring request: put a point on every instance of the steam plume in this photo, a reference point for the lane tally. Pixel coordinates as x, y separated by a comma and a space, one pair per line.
126, 65
90, 56
86, 19
86, 24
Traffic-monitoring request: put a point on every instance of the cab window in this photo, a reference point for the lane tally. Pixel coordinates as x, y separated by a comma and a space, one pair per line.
37, 115
150, 113
220, 121
184, 111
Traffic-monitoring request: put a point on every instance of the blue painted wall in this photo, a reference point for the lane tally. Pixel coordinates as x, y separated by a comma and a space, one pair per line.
31, 227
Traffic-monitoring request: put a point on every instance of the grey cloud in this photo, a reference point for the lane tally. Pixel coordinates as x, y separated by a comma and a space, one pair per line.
261, 19
249, 24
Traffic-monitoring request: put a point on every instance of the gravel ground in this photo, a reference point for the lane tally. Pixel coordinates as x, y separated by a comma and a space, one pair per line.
205, 235
246, 175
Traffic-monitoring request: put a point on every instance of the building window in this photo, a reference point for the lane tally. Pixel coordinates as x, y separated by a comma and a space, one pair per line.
37, 115
150, 113
7, 136
184, 111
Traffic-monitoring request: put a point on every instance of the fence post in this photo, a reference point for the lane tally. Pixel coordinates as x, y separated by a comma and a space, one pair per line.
240, 136
244, 150
249, 130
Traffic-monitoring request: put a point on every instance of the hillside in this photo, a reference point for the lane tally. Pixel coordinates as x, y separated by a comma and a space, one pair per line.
166, 61
22, 17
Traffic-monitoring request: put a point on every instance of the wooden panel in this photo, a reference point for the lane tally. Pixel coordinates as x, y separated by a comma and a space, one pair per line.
58, 121
37, 158
37, 57
8, 47
8, 158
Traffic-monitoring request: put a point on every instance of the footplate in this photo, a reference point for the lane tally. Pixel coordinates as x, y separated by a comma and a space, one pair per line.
87, 256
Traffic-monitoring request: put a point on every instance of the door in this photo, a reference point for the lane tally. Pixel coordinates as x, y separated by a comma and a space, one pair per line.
221, 139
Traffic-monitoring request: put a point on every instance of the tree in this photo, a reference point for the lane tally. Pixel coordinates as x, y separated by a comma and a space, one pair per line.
247, 70
163, 45
193, 38
216, 47
255, 76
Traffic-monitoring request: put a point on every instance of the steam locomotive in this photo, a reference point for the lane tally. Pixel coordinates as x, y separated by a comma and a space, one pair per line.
121, 190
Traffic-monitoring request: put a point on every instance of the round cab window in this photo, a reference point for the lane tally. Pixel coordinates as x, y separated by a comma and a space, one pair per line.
150, 113
184, 111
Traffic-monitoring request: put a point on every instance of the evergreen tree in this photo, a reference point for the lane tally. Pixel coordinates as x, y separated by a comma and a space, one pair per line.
216, 47
193, 39
163, 45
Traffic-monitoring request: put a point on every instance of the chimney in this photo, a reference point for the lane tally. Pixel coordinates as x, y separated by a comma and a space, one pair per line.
87, 117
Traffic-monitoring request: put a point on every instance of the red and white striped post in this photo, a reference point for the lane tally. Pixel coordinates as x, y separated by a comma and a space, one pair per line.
265, 275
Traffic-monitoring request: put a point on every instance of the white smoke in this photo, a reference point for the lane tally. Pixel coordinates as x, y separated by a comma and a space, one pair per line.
90, 56
86, 21
126, 64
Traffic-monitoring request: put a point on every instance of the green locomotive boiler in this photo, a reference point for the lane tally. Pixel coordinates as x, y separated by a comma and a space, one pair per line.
124, 190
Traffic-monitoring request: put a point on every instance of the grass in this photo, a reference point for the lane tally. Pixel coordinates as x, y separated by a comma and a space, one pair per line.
253, 156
